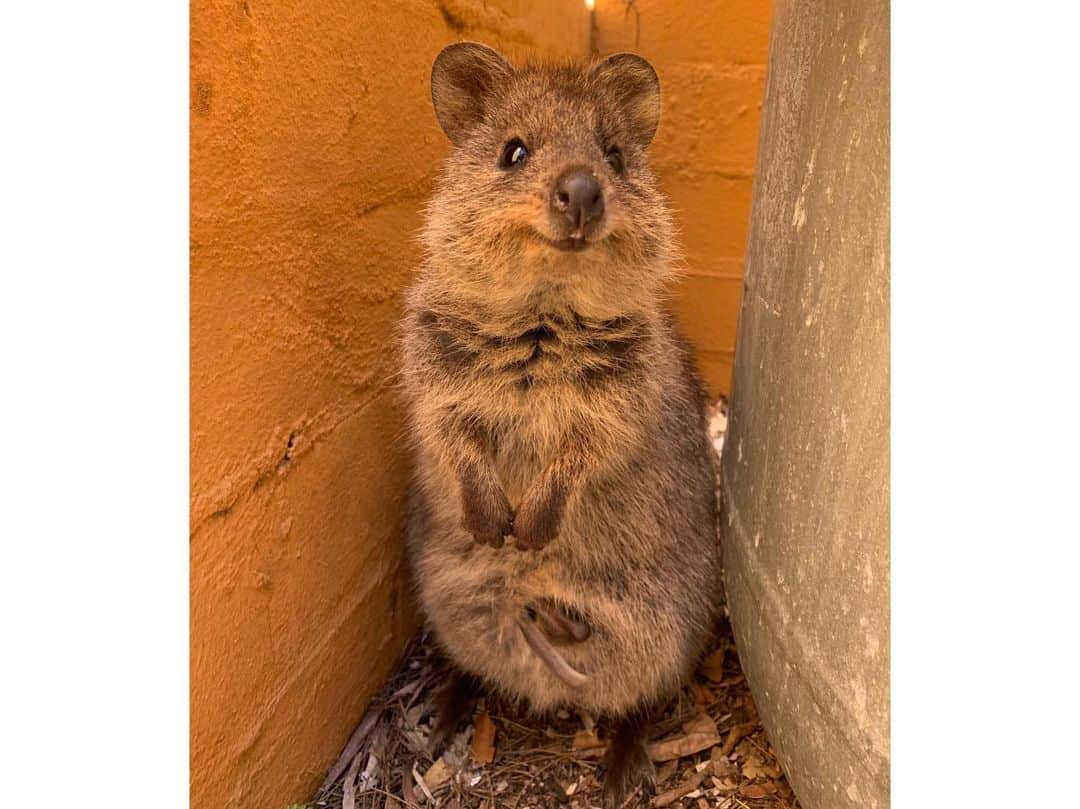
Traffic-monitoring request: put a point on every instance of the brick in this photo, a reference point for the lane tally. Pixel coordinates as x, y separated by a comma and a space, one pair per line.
707, 309
710, 118
713, 213
713, 31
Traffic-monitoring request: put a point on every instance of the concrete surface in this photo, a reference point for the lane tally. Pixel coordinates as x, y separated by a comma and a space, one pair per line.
710, 55
805, 474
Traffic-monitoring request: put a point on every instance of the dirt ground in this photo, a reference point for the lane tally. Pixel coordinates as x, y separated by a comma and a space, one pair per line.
709, 748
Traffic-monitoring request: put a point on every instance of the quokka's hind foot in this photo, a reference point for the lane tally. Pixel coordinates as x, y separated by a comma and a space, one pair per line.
627, 765
454, 705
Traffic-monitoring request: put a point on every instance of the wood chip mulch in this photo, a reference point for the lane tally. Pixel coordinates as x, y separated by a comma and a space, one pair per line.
709, 748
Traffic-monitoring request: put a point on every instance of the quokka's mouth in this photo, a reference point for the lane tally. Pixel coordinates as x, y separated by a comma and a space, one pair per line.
570, 244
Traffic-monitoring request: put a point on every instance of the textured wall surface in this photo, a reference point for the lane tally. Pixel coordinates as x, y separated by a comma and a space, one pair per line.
710, 55
313, 145
806, 460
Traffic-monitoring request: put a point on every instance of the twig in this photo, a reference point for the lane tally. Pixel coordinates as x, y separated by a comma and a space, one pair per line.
427, 678
529, 783
348, 798
631, 796
353, 747
763, 752
392, 796
407, 791
418, 779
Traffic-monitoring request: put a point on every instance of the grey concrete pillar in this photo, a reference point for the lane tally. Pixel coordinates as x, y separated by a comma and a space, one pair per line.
806, 461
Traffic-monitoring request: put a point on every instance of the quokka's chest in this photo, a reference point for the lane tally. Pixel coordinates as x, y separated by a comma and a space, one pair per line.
535, 386
552, 353
533, 426
541, 365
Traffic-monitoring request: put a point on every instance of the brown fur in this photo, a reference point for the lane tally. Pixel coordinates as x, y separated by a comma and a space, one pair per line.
551, 400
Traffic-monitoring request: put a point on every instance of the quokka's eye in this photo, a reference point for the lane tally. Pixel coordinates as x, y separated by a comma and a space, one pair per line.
614, 158
514, 153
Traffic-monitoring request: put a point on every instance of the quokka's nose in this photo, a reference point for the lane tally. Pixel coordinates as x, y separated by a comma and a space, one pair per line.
578, 197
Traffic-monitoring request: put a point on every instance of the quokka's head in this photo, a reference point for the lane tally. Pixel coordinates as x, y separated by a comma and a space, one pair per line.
548, 180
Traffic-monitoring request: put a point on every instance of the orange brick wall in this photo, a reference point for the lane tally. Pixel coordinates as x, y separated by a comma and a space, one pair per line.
710, 55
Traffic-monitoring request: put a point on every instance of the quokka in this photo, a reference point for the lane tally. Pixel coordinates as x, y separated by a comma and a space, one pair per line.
562, 526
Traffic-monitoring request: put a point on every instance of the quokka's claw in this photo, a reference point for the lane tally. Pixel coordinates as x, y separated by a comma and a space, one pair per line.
548, 654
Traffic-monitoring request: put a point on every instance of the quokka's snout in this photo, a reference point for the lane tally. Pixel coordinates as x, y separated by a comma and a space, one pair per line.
577, 201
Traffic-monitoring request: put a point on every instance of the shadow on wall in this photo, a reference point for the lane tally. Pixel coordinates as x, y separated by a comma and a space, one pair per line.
313, 148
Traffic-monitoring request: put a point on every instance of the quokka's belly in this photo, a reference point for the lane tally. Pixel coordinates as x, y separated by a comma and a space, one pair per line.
476, 596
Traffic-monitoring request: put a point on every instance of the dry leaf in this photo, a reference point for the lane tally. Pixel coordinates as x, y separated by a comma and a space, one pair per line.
744, 750
438, 774
348, 799
407, 788
721, 766
702, 723
752, 768
420, 783
483, 740
412, 716
713, 667
585, 739
588, 744
735, 734
727, 786
365, 727
702, 803
666, 770
672, 795
682, 746
702, 695
757, 790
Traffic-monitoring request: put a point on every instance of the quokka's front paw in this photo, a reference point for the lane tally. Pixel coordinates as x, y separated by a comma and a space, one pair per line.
495, 532
539, 518
486, 514
490, 528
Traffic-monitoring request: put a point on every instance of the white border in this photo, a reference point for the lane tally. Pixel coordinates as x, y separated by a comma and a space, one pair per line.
94, 297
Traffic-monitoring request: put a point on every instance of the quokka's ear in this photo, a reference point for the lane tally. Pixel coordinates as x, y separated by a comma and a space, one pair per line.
463, 79
633, 83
